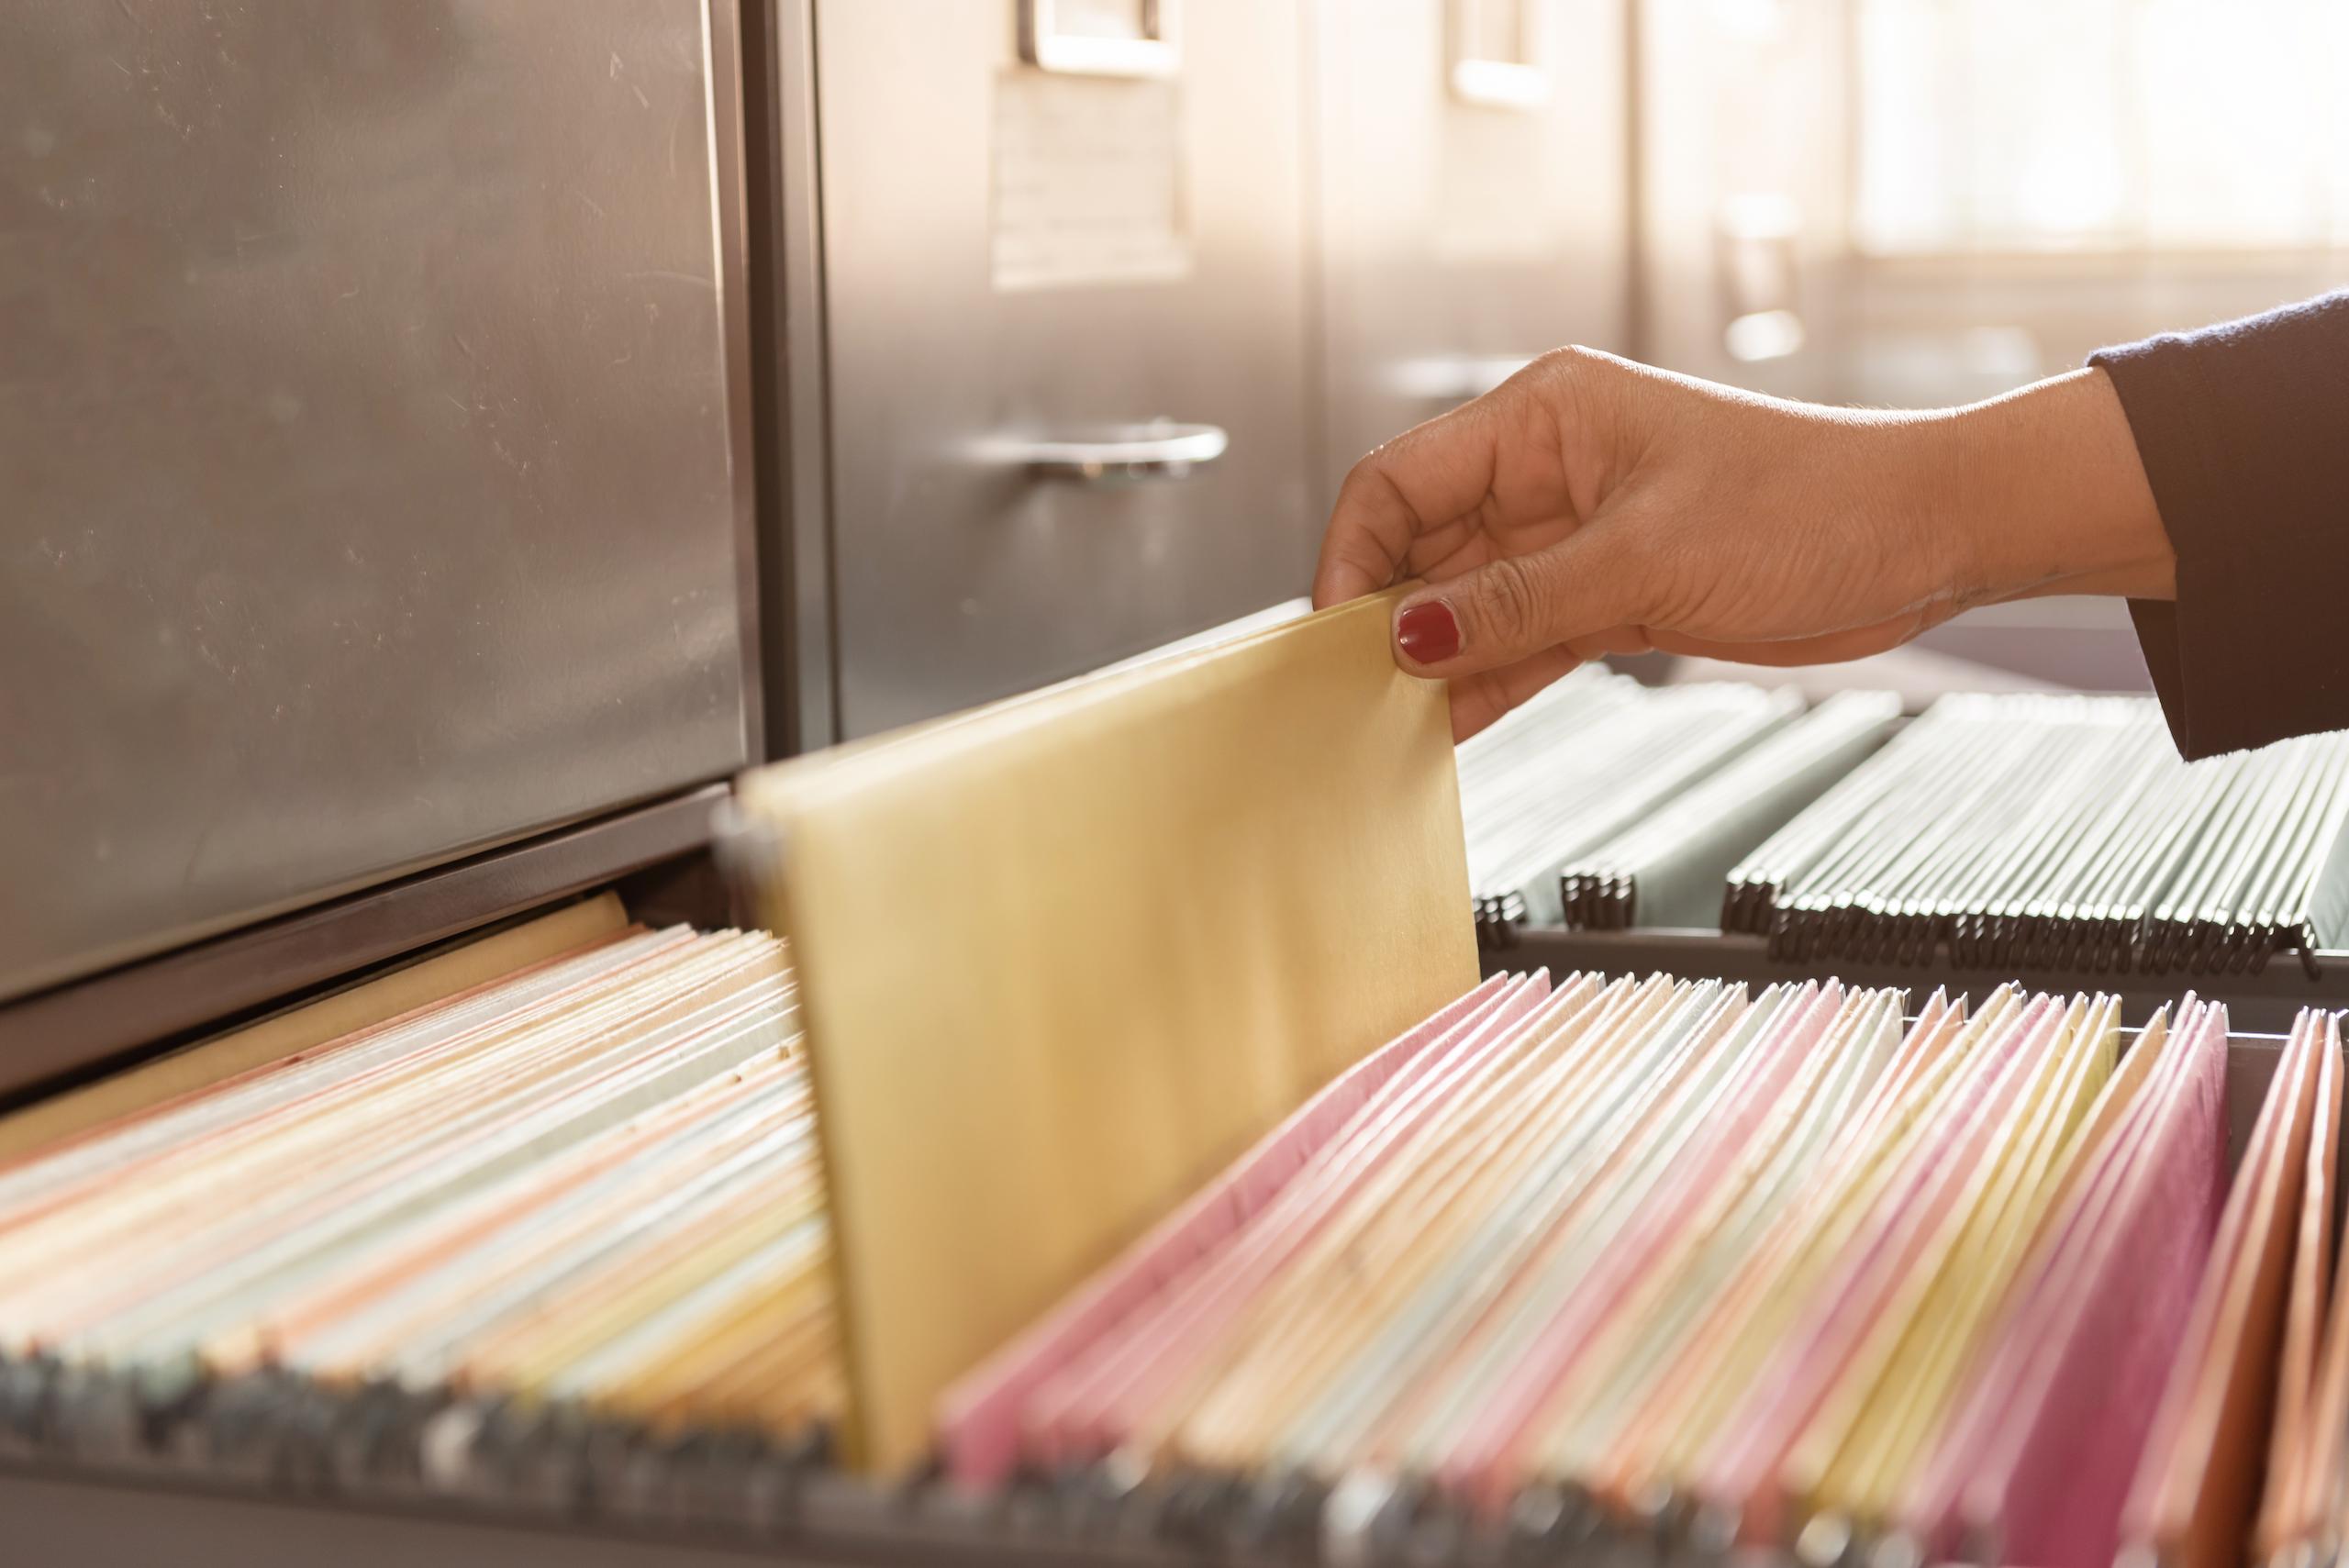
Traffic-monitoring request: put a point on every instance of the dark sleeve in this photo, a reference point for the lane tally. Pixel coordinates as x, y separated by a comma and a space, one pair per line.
2244, 431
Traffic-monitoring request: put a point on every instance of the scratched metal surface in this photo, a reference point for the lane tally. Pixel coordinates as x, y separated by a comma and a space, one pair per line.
367, 480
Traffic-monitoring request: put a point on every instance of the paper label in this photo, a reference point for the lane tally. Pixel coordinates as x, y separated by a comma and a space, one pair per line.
1088, 181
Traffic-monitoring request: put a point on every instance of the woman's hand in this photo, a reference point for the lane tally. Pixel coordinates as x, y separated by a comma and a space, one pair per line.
1589, 505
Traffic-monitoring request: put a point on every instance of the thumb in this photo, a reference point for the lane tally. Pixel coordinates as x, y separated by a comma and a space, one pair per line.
1513, 609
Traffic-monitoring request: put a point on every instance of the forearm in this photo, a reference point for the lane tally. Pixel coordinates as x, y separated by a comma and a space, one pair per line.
1590, 506
2044, 493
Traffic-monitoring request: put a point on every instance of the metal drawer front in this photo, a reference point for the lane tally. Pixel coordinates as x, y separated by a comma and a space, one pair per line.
1474, 180
1066, 339
367, 491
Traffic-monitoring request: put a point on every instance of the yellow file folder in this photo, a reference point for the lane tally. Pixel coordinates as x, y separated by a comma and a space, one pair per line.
1062, 958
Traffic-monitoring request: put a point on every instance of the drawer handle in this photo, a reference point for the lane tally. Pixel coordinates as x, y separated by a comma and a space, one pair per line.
1111, 454
1519, 80
1156, 50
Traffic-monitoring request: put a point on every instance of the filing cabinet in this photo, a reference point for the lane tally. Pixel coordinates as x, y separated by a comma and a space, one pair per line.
1066, 318
1743, 170
374, 481
1475, 187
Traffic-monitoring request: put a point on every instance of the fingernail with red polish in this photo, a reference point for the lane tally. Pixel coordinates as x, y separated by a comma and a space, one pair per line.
1428, 632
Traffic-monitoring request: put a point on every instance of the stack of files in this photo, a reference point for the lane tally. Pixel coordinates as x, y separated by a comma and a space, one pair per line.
2059, 832
1661, 1258
1667, 869
1592, 754
585, 1187
2035, 1463
2262, 1373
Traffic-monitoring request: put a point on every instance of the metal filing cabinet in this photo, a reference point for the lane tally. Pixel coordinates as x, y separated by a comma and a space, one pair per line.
1065, 295
1743, 150
373, 471
1474, 193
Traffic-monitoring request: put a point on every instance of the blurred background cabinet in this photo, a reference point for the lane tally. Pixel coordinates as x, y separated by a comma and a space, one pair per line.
1475, 200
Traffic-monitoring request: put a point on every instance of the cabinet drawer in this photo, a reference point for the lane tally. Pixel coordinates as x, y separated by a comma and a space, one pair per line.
372, 489
1017, 254
1473, 183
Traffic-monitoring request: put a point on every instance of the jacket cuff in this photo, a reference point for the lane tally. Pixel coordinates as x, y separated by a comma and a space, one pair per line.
2240, 429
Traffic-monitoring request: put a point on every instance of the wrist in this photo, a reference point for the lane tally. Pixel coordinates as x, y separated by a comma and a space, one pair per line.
2044, 493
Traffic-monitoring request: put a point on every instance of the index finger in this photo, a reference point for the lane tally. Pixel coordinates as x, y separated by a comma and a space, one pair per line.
1420, 481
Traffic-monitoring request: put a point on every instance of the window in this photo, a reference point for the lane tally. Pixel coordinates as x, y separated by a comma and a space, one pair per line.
2100, 126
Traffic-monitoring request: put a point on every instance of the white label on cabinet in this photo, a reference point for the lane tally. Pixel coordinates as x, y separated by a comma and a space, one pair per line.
1088, 181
